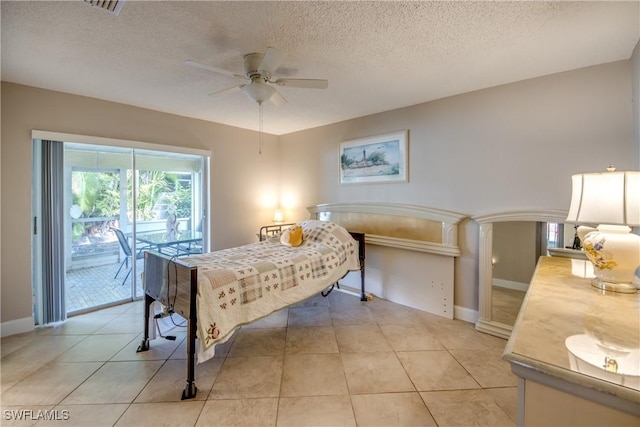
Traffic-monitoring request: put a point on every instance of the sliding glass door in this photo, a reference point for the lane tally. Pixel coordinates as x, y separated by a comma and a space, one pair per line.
117, 203
98, 270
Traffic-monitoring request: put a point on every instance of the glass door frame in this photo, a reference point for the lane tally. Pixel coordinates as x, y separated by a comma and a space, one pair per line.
202, 188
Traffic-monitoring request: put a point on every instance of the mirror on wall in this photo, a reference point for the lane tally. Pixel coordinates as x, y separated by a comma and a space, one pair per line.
510, 246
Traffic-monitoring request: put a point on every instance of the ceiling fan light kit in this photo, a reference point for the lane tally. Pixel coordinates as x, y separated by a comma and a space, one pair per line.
258, 91
259, 68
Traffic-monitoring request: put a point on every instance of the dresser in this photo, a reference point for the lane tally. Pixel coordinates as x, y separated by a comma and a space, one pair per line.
575, 351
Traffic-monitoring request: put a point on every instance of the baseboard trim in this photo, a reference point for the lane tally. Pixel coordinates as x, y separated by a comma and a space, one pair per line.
464, 313
510, 284
494, 328
17, 326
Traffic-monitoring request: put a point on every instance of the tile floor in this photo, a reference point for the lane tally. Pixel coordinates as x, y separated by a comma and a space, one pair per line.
325, 362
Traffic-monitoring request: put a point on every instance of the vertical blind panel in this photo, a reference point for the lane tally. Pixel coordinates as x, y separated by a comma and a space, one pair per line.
52, 232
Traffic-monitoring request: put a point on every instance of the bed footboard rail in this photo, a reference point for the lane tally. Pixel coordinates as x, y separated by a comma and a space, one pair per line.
174, 284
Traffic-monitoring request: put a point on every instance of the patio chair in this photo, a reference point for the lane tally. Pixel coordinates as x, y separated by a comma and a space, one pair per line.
128, 253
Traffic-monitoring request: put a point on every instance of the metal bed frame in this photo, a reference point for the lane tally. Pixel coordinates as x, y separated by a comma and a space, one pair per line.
157, 285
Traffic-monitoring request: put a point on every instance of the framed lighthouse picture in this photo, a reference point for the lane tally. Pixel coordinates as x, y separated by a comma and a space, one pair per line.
375, 159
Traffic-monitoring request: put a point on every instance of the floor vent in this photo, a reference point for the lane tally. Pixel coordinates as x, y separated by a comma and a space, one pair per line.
111, 6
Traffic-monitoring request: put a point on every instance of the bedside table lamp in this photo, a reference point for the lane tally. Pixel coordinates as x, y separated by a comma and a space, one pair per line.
612, 200
278, 217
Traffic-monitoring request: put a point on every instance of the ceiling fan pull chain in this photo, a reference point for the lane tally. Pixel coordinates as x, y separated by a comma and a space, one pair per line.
260, 121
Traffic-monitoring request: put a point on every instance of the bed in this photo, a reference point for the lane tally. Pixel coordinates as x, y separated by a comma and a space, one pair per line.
220, 291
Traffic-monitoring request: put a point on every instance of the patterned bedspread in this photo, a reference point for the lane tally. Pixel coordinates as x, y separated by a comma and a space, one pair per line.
239, 285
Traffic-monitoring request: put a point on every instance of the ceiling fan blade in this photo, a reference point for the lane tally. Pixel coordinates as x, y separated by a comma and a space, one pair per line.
201, 66
277, 99
272, 60
305, 83
227, 90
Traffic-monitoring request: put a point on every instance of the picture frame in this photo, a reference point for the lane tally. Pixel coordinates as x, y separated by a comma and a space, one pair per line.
375, 159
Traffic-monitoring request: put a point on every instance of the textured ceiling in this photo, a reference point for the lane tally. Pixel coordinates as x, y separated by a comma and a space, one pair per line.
377, 56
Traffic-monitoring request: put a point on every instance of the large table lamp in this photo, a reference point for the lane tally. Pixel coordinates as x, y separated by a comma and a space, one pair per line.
612, 200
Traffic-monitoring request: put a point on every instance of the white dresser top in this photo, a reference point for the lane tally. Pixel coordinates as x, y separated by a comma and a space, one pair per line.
570, 330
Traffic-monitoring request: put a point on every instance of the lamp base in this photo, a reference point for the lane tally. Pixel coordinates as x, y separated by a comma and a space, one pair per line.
623, 288
615, 254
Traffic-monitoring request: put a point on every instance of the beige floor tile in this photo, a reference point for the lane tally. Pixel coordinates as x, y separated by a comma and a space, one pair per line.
221, 351
169, 382
458, 335
134, 307
86, 415
435, 370
15, 342
349, 298
494, 343
309, 316
42, 350
394, 315
379, 372
239, 413
410, 338
278, 319
432, 319
507, 399
159, 349
347, 315
125, 323
383, 304
361, 338
23, 415
248, 377
330, 411
486, 367
391, 409
314, 301
83, 325
49, 384
465, 408
313, 375
315, 339
114, 382
169, 414
121, 308
259, 342
14, 371
97, 348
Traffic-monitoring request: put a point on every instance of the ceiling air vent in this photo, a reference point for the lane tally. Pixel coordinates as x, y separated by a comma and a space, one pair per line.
111, 6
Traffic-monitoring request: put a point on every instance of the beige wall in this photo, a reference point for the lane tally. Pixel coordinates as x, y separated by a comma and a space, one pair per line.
241, 179
508, 148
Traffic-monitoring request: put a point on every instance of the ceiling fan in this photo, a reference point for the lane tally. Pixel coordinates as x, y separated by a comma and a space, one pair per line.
259, 69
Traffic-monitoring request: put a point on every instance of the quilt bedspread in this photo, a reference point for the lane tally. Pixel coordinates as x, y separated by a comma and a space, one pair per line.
239, 285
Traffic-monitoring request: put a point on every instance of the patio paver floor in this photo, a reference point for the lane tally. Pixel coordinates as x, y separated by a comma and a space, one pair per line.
96, 286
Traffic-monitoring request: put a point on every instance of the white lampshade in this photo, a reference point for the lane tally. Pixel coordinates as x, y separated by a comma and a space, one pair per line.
278, 216
611, 200
605, 198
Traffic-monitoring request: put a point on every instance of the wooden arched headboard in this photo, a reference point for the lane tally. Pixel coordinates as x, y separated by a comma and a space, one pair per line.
422, 278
